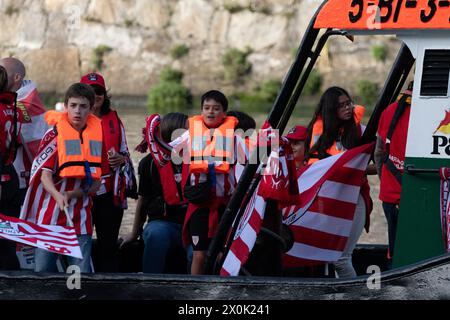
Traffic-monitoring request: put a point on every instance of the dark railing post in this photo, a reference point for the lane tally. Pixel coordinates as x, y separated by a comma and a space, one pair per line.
395, 81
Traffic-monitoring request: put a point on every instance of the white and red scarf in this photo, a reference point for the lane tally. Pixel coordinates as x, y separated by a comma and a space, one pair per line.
444, 173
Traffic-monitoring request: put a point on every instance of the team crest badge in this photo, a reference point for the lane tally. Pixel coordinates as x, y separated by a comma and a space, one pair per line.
9, 229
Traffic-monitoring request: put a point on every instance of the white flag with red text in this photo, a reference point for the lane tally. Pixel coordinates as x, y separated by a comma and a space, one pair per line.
57, 239
329, 190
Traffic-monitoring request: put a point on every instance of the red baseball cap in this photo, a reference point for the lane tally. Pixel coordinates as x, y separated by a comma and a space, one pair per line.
94, 79
297, 133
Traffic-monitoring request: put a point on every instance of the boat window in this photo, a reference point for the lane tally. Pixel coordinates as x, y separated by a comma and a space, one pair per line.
436, 72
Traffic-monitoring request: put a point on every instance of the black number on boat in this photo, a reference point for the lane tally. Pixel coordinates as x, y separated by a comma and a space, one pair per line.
427, 17
354, 17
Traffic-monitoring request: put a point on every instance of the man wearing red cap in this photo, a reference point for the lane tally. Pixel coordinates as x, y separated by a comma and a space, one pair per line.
297, 137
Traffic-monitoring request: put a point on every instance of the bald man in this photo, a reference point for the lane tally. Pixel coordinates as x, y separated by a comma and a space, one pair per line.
32, 130
33, 110
10, 127
33, 126
16, 72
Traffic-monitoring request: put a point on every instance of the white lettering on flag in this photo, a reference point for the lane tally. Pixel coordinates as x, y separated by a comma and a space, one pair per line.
57, 239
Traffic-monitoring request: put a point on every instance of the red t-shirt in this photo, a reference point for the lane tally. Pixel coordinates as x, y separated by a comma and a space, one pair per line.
390, 189
7, 126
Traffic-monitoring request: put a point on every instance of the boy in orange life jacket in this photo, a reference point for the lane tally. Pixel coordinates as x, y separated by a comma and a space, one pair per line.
211, 141
69, 177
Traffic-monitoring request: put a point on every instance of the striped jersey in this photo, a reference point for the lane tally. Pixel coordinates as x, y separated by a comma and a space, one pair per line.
41, 208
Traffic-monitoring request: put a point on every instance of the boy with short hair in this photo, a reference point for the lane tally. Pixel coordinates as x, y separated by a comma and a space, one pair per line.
63, 184
212, 180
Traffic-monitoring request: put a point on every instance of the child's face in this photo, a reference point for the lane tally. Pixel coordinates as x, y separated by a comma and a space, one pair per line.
298, 148
345, 108
78, 109
213, 113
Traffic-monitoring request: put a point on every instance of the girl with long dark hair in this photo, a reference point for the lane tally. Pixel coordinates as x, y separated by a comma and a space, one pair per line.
336, 127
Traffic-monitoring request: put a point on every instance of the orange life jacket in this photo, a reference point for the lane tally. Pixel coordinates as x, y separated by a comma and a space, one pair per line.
335, 148
211, 145
77, 150
52, 117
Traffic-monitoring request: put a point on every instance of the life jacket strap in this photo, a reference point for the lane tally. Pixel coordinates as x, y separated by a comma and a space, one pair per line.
402, 105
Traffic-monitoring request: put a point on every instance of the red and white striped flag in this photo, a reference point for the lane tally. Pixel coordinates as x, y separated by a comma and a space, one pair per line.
444, 173
57, 239
321, 223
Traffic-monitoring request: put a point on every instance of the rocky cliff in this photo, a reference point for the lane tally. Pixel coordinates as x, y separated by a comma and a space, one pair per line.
131, 41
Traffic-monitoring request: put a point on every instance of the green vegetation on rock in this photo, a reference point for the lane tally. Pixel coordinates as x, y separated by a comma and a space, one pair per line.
98, 56
169, 95
367, 92
236, 65
380, 52
179, 51
314, 83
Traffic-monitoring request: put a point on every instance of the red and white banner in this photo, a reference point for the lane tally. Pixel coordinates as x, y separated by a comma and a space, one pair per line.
33, 128
329, 190
48, 148
445, 206
57, 239
34, 125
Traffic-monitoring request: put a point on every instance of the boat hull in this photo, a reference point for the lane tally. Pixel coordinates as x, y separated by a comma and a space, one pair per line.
426, 280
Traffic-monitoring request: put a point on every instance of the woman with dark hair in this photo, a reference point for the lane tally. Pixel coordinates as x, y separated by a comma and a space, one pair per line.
117, 177
161, 200
336, 127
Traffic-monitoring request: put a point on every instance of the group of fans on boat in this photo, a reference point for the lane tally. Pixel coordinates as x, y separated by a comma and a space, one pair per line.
72, 168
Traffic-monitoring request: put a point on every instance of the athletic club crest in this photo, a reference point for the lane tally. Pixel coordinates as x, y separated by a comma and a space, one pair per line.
9, 229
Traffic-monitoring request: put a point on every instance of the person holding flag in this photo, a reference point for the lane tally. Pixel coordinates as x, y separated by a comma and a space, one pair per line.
336, 127
66, 174
10, 121
211, 148
317, 202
